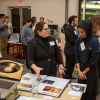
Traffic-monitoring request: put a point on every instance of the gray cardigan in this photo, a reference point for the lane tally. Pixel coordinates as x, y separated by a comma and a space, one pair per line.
3, 29
26, 34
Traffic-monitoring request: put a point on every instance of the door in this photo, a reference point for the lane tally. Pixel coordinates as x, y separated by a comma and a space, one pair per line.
19, 17
15, 20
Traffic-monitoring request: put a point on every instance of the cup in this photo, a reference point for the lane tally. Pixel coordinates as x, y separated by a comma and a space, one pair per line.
35, 86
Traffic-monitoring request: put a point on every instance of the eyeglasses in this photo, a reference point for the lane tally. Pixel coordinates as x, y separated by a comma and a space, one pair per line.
46, 29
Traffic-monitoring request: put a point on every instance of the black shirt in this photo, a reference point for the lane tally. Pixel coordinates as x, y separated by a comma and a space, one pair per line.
45, 42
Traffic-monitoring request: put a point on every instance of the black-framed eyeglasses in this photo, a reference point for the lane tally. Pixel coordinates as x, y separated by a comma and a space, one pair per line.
46, 29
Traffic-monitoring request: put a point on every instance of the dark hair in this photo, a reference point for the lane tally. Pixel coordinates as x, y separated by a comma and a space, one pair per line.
71, 18
64, 28
6, 17
2, 15
42, 18
39, 26
31, 19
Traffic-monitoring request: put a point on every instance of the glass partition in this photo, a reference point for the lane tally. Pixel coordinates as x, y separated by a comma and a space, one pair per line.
92, 8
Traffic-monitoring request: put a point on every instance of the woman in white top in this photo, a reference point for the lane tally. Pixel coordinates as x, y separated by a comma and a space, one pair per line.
62, 35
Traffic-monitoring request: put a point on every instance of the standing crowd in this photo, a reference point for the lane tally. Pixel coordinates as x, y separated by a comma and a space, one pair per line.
80, 48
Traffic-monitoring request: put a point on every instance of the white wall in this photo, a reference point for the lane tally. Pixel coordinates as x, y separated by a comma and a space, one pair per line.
54, 10
73, 7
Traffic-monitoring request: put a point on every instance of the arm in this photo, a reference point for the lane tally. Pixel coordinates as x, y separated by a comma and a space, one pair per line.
77, 56
95, 56
69, 36
78, 68
30, 59
92, 63
77, 59
80, 74
23, 33
3, 25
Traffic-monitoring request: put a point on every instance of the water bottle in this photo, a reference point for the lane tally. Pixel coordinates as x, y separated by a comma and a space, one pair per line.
35, 86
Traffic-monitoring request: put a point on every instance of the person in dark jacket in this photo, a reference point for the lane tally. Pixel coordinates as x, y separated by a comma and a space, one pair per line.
70, 36
86, 55
42, 52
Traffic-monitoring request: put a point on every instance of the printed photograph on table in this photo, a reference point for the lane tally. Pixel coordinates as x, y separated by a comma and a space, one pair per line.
25, 78
25, 85
77, 87
52, 89
48, 82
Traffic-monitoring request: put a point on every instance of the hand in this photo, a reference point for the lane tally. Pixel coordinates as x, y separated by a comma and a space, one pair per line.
82, 77
84, 73
61, 69
79, 74
37, 70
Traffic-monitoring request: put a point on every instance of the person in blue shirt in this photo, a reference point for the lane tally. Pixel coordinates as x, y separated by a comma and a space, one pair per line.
86, 57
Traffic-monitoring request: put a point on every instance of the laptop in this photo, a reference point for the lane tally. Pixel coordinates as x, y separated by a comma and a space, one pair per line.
10, 75
14, 37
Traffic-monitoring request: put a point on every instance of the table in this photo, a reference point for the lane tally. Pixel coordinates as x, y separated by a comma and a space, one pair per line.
64, 95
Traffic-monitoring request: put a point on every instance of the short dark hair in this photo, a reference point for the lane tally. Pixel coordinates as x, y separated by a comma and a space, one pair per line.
31, 19
7, 17
2, 15
39, 26
42, 18
71, 18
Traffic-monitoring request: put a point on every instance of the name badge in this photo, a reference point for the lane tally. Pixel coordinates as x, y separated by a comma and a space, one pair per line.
90, 48
82, 46
52, 43
75, 32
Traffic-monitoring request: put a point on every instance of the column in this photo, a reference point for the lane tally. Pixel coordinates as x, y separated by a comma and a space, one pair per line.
73, 7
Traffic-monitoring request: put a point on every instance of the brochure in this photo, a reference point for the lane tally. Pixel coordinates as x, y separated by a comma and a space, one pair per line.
52, 86
77, 87
26, 81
